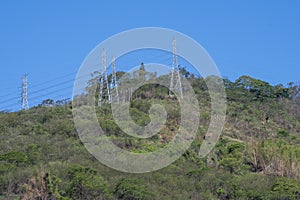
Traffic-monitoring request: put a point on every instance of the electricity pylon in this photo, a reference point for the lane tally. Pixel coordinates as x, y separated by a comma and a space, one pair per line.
24, 105
104, 85
175, 84
114, 84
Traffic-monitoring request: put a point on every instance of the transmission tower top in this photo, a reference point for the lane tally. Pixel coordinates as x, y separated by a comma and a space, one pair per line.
175, 59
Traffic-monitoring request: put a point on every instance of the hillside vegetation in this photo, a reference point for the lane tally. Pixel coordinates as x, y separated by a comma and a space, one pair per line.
257, 156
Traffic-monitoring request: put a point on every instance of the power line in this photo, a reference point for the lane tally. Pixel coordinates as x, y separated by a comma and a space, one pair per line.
9, 106
34, 102
10, 94
44, 86
17, 97
59, 96
58, 78
43, 89
52, 86
52, 92
38, 91
145, 59
54, 79
38, 97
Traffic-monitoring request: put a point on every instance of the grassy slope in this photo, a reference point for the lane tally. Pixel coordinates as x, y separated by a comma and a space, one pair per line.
41, 155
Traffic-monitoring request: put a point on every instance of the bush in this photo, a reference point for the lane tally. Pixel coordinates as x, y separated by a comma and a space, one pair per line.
131, 190
282, 133
285, 188
85, 183
14, 157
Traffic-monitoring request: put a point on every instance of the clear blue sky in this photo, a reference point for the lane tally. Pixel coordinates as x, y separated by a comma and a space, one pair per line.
48, 39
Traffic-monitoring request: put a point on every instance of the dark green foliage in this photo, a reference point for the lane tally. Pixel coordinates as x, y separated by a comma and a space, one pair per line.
285, 189
14, 157
33, 152
6, 167
231, 156
139, 117
85, 183
282, 133
131, 190
260, 90
52, 182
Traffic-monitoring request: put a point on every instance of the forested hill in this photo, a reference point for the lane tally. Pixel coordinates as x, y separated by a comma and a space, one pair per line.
257, 156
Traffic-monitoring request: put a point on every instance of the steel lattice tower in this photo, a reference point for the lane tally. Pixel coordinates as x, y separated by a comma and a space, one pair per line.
175, 84
24, 93
114, 83
104, 85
